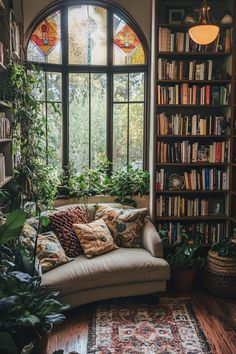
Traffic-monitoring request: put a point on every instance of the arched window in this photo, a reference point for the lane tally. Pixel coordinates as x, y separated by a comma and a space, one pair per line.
94, 62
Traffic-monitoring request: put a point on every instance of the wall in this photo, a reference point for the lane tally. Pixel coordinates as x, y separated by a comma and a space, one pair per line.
139, 9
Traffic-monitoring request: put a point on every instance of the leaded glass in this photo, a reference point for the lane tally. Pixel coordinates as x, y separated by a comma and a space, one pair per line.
87, 30
45, 42
127, 48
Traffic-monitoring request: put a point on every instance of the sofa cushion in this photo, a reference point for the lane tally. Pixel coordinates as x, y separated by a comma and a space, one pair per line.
123, 266
95, 238
125, 225
62, 224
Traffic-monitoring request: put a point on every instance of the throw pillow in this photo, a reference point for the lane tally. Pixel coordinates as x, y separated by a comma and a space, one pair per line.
125, 225
49, 250
95, 238
62, 224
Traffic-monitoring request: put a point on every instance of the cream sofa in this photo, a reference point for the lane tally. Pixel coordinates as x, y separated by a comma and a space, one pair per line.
123, 272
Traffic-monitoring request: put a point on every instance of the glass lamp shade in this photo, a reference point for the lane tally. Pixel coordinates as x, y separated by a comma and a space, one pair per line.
204, 33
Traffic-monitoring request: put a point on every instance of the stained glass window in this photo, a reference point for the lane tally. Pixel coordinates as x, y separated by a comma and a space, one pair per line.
127, 48
87, 27
45, 42
87, 120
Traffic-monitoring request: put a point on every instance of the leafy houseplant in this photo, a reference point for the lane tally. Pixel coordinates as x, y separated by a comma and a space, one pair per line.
225, 248
26, 311
185, 262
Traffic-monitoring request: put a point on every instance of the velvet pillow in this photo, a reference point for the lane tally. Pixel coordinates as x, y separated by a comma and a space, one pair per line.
95, 238
62, 224
125, 225
49, 250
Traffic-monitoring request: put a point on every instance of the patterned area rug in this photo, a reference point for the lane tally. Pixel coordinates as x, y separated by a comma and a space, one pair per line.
141, 327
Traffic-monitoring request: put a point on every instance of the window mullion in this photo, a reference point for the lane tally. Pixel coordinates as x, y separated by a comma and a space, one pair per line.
110, 89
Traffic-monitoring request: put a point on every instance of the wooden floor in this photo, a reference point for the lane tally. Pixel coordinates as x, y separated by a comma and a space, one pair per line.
217, 317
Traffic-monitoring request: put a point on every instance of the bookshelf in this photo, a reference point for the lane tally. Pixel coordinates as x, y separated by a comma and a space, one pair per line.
192, 91
6, 116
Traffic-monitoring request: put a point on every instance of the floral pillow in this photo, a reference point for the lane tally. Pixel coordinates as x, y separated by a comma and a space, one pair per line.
49, 250
95, 238
125, 225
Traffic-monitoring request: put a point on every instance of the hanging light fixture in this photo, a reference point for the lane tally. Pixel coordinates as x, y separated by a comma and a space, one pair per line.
204, 33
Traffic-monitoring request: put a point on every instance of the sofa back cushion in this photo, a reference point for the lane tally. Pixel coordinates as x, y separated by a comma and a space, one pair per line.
62, 224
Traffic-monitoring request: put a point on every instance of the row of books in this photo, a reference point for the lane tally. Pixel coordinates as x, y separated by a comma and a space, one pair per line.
206, 179
193, 94
188, 125
5, 126
186, 152
172, 41
184, 70
179, 206
208, 232
2, 167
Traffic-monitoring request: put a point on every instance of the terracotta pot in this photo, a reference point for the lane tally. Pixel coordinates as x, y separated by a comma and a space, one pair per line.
41, 344
182, 280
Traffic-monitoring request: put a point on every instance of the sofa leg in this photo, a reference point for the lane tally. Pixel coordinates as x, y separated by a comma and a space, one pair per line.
155, 299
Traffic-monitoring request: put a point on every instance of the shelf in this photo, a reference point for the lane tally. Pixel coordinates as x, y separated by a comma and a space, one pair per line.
186, 25
192, 137
191, 218
233, 220
5, 105
193, 105
193, 54
2, 67
6, 180
195, 164
5, 140
192, 192
209, 82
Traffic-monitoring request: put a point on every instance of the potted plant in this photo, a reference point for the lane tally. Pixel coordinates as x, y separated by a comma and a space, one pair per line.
27, 312
220, 270
185, 262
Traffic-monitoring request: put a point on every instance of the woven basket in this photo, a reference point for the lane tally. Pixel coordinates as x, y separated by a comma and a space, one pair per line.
220, 275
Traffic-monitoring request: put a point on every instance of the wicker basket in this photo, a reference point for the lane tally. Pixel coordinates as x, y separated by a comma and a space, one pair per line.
220, 275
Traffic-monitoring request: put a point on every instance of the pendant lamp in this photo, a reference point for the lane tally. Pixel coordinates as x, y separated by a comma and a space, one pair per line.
204, 33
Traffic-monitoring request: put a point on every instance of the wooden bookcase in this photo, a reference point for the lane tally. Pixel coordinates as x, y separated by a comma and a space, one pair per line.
220, 218
6, 143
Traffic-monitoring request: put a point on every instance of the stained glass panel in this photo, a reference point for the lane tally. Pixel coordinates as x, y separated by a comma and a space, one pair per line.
120, 87
87, 30
127, 48
120, 131
45, 42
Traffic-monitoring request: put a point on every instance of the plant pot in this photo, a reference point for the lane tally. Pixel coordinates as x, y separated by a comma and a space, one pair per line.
220, 275
41, 344
182, 280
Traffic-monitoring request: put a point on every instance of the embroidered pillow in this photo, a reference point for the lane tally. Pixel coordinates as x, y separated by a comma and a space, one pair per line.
62, 224
125, 225
95, 238
49, 250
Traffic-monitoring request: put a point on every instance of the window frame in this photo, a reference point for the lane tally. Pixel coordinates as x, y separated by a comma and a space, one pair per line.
65, 69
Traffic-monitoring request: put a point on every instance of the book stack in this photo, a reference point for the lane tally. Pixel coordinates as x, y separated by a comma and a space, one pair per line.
193, 94
171, 41
184, 70
2, 167
186, 152
5, 127
208, 232
205, 179
188, 125
179, 206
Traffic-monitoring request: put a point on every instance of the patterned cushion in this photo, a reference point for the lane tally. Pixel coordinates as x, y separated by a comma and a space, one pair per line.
125, 225
49, 250
62, 224
95, 238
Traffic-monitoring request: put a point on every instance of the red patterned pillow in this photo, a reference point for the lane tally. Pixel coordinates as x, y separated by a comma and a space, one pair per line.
62, 224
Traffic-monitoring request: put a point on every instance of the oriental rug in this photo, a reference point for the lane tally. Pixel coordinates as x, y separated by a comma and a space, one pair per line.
127, 326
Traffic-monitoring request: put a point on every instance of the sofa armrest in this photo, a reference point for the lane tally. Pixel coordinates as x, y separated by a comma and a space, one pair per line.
151, 240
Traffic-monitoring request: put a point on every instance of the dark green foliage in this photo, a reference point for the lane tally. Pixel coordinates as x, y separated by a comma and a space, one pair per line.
23, 304
185, 253
225, 248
